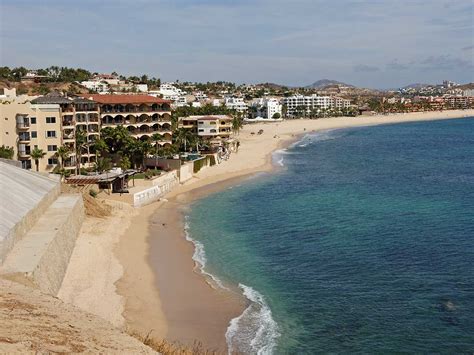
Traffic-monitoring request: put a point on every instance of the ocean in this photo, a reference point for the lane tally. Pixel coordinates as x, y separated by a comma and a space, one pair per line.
362, 242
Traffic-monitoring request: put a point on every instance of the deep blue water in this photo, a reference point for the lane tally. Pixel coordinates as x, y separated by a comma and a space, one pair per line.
363, 242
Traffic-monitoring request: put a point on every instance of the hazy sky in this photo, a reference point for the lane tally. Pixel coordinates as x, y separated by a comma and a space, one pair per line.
372, 43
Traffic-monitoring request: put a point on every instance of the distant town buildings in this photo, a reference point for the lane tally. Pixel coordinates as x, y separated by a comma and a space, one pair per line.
236, 103
108, 83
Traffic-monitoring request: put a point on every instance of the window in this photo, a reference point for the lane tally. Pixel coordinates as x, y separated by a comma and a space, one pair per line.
33, 120
212, 122
50, 134
201, 122
201, 130
26, 164
52, 148
50, 119
52, 161
34, 134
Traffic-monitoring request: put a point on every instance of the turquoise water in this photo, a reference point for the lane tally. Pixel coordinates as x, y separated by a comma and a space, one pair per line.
363, 242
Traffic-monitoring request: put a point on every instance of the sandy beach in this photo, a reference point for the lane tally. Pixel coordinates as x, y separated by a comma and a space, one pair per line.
159, 288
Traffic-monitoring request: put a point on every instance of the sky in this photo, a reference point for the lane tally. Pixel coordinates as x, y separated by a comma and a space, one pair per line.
368, 43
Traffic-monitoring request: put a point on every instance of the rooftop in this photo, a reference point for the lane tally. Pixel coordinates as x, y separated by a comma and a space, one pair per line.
52, 98
207, 118
125, 99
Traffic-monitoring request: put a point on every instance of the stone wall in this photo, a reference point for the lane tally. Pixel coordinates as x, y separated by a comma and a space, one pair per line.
161, 186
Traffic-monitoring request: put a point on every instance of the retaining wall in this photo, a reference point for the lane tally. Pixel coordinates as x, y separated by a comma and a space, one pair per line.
161, 186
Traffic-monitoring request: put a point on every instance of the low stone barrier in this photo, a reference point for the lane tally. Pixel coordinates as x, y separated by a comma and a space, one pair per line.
161, 186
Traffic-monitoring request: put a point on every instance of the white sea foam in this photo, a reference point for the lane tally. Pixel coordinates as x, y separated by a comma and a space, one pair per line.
278, 158
280, 161
199, 256
312, 137
254, 331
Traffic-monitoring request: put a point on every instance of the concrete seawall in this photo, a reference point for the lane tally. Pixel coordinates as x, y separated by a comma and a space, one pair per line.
41, 257
25, 196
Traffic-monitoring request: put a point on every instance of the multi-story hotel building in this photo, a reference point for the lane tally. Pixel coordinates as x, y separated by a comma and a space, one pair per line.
215, 127
76, 115
47, 123
142, 115
314, 102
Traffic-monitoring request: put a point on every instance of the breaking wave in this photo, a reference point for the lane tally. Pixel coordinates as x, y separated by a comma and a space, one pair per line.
254, 331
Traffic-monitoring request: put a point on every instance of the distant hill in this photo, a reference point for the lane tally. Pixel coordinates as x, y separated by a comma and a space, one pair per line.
466, 86
32, 88
415, 86
271, 86
321, 84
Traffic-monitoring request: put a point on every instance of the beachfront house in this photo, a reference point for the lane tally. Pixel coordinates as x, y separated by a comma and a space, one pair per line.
215, 129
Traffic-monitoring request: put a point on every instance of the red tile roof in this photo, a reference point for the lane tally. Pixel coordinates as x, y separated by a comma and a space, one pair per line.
125, 99
207, 118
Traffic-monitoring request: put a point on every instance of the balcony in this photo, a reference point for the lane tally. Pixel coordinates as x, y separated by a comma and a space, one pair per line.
119, 109
67, 109
68, 123
22, 122
68, 138
24, 137
24, 153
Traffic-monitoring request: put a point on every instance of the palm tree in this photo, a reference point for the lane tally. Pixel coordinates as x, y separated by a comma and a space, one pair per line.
81, 140
156, 137
237, 124
182, 136
37, 154
145, 149
100, 148
62, 153
103, 164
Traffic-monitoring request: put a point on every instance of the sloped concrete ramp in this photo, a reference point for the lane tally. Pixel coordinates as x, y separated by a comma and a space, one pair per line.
41, 257
24, 196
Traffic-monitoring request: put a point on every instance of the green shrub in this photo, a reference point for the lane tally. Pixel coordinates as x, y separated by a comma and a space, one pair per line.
93, 193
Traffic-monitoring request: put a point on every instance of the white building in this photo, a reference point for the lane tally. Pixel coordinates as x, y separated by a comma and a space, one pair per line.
200, 96
169, 92
107, 78
266, 109
236, 103
216, 102
314, 102
98, 86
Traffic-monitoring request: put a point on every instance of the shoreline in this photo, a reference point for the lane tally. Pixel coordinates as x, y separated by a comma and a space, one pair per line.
162, 298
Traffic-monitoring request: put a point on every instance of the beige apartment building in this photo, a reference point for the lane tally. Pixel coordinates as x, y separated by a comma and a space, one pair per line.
142, 115
214, 128
47, 123
24, 127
